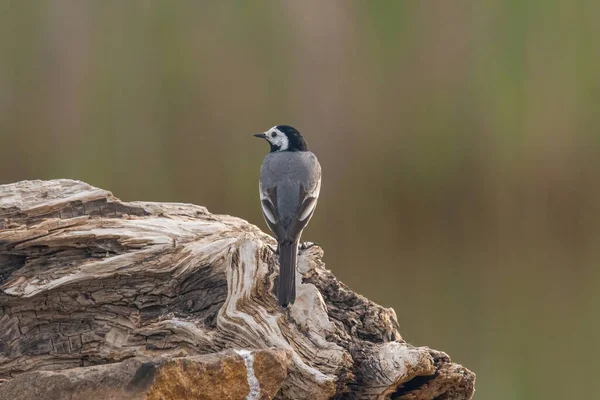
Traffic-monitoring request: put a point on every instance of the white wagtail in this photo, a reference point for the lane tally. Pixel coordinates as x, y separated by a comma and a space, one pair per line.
290, 181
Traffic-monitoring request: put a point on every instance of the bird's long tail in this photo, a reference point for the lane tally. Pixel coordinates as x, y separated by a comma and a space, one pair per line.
288, 253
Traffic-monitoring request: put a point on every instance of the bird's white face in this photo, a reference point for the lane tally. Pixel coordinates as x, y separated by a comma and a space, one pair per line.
277, 138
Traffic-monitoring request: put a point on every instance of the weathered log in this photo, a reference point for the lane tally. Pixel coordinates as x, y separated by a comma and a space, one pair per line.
88, 280
211, 377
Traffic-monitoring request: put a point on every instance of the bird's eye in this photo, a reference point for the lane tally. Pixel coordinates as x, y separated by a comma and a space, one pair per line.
273, 134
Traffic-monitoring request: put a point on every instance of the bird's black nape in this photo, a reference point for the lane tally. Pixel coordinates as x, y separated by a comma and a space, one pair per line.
295, 139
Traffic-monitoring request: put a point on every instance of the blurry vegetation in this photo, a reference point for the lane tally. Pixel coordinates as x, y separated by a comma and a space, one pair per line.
459, 143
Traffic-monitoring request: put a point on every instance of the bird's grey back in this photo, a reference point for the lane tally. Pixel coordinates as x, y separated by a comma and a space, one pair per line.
286, 170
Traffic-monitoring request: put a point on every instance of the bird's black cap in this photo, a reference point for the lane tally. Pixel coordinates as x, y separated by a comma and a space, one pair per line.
296, 141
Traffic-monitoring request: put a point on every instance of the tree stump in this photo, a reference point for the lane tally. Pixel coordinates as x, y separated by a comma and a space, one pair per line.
101, 298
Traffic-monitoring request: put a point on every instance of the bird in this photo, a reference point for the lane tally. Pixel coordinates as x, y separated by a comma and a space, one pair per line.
289, 186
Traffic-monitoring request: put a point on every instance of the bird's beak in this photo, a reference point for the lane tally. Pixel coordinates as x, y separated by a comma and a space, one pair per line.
260, 135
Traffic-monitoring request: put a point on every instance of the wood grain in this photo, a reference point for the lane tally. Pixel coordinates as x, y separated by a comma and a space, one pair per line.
86, 279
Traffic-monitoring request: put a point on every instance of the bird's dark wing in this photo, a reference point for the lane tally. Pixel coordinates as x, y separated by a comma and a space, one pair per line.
306, 208
268, 202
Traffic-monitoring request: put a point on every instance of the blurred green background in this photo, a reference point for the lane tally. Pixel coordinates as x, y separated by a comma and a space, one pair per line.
459, 142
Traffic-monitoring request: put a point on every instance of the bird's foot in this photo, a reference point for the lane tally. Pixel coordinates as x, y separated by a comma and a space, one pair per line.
307, 245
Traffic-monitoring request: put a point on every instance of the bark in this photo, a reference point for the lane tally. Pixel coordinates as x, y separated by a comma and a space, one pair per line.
89, 280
